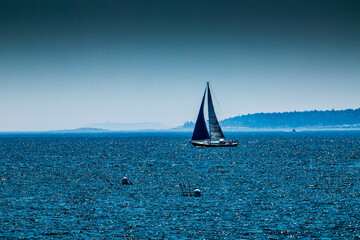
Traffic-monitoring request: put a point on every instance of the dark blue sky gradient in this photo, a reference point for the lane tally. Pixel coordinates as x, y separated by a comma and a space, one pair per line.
189, 23
64, 64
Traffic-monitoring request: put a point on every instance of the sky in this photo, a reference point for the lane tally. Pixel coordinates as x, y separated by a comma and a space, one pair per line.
65, 64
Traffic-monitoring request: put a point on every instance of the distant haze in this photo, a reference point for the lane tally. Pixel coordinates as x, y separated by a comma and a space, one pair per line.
66, 64
128, 126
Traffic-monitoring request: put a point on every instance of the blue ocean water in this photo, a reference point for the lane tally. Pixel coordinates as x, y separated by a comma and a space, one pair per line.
302, 185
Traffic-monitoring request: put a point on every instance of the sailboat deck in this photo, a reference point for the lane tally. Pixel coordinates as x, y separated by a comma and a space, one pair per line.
214, 143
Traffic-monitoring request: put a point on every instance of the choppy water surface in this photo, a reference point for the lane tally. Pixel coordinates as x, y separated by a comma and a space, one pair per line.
273, 185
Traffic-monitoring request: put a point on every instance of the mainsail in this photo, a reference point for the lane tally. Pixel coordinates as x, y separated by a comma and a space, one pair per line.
200, 130
214, 126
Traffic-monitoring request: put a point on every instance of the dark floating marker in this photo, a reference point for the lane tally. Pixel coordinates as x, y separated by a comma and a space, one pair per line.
126, 181
109, 181
187, 190
197, 193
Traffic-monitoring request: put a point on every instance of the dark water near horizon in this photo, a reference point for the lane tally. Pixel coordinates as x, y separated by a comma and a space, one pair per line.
302, 185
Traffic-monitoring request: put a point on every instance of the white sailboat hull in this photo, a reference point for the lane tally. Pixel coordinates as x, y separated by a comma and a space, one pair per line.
214, 143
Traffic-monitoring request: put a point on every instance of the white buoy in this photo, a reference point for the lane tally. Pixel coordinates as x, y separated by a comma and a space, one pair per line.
197, 193
125, 181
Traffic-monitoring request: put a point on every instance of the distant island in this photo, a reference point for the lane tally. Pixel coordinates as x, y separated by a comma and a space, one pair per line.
328, 119
81, 130
116, 127
136, 126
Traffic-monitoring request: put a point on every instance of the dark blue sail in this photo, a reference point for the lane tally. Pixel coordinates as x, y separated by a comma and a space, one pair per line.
214, 126
200, 130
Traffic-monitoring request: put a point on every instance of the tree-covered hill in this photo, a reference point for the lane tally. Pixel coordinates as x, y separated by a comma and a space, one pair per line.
306, 119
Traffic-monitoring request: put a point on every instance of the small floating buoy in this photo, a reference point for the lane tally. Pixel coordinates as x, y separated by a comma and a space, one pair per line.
197, 193
125, 181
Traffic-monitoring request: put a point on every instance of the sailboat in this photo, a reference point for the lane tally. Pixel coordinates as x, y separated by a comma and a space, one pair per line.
214, 137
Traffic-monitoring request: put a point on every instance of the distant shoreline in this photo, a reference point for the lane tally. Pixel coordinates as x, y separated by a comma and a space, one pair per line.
183, 131
329, 120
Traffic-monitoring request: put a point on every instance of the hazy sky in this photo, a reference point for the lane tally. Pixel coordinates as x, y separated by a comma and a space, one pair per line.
65, 64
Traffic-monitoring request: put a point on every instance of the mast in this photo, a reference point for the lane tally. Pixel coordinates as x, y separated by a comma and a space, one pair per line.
209, 99
214, 126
